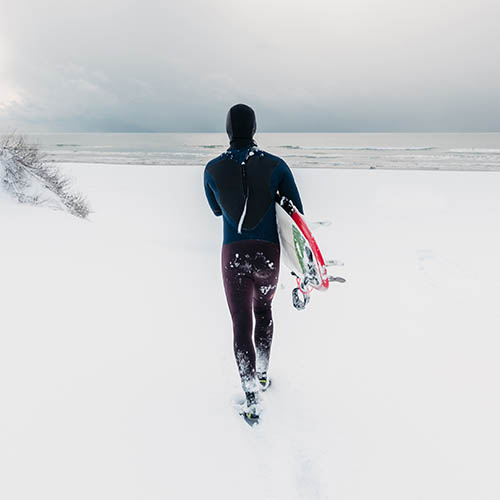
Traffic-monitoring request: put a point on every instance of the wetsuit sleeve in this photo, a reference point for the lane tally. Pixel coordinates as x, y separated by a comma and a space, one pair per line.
211, 196
288, 188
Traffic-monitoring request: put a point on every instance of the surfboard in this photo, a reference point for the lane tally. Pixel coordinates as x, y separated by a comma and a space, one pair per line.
300, 252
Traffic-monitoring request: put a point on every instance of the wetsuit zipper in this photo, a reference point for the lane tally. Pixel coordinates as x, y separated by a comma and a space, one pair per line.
245, 190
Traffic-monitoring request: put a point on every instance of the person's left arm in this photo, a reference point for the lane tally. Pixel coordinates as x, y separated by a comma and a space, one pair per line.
212, 201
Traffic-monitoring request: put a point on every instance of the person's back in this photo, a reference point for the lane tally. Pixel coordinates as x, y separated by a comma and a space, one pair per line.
241, 185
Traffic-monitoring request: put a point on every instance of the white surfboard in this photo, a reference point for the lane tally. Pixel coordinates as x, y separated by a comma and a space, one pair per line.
300, 252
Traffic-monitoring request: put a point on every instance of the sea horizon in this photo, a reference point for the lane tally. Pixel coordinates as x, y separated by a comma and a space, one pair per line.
476, 151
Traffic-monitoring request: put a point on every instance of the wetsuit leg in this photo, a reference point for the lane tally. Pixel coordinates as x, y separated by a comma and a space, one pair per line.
250, 274
238, 285
265, 284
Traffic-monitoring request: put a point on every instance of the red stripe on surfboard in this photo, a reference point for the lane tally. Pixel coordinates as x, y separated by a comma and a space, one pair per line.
301, 224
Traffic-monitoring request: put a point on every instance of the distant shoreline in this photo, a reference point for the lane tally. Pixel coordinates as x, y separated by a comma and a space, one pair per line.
402, 151
361, 167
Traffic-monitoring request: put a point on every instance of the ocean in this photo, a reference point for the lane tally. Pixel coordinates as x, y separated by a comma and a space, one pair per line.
399, 151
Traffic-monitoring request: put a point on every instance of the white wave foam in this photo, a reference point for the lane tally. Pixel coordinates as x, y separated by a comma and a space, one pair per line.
362, 148
476, 150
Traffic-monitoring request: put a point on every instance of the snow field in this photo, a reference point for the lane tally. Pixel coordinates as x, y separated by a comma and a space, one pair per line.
118, 377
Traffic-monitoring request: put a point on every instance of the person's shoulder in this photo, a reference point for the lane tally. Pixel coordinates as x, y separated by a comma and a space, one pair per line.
215, 161
268, 156
278, 164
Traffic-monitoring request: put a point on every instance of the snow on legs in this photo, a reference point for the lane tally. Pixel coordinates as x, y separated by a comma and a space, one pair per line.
250, 273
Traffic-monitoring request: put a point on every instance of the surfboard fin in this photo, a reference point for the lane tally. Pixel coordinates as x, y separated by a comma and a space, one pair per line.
338, 279
329, 263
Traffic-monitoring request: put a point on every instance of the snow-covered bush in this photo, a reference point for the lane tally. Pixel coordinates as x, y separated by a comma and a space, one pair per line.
25, 173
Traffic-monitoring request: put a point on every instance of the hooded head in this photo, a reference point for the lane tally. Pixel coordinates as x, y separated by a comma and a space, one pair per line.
241, 125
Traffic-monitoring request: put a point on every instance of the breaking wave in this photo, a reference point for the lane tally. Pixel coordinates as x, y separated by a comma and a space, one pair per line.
476, 150
361, 148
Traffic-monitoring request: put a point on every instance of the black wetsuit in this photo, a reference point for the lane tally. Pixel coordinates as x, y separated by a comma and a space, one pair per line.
240, 185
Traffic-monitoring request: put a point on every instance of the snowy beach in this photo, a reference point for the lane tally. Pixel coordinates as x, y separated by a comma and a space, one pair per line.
118, 378
117, 370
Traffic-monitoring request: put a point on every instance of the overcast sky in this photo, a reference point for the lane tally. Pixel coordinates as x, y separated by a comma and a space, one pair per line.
315, 65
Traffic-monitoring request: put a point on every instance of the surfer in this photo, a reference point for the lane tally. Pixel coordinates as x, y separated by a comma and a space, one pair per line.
240, 185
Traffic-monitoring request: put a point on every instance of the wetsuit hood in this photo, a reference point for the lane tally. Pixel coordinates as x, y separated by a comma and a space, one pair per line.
241, 126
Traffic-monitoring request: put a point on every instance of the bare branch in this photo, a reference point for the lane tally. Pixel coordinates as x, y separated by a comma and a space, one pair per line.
25, 166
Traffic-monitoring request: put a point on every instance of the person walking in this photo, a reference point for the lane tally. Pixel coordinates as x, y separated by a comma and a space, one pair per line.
241, 185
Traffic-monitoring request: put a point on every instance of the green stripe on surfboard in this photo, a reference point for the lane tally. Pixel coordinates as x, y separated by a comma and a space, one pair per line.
299, 243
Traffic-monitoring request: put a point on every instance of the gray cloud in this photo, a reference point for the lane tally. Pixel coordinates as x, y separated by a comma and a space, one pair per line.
349, 65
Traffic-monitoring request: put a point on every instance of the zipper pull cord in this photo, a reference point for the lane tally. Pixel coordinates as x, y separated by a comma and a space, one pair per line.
245, 190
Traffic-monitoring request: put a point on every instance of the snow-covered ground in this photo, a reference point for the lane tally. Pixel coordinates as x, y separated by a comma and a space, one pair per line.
117, 378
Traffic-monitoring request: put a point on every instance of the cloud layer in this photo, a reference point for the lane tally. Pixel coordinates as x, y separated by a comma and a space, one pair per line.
349, 65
